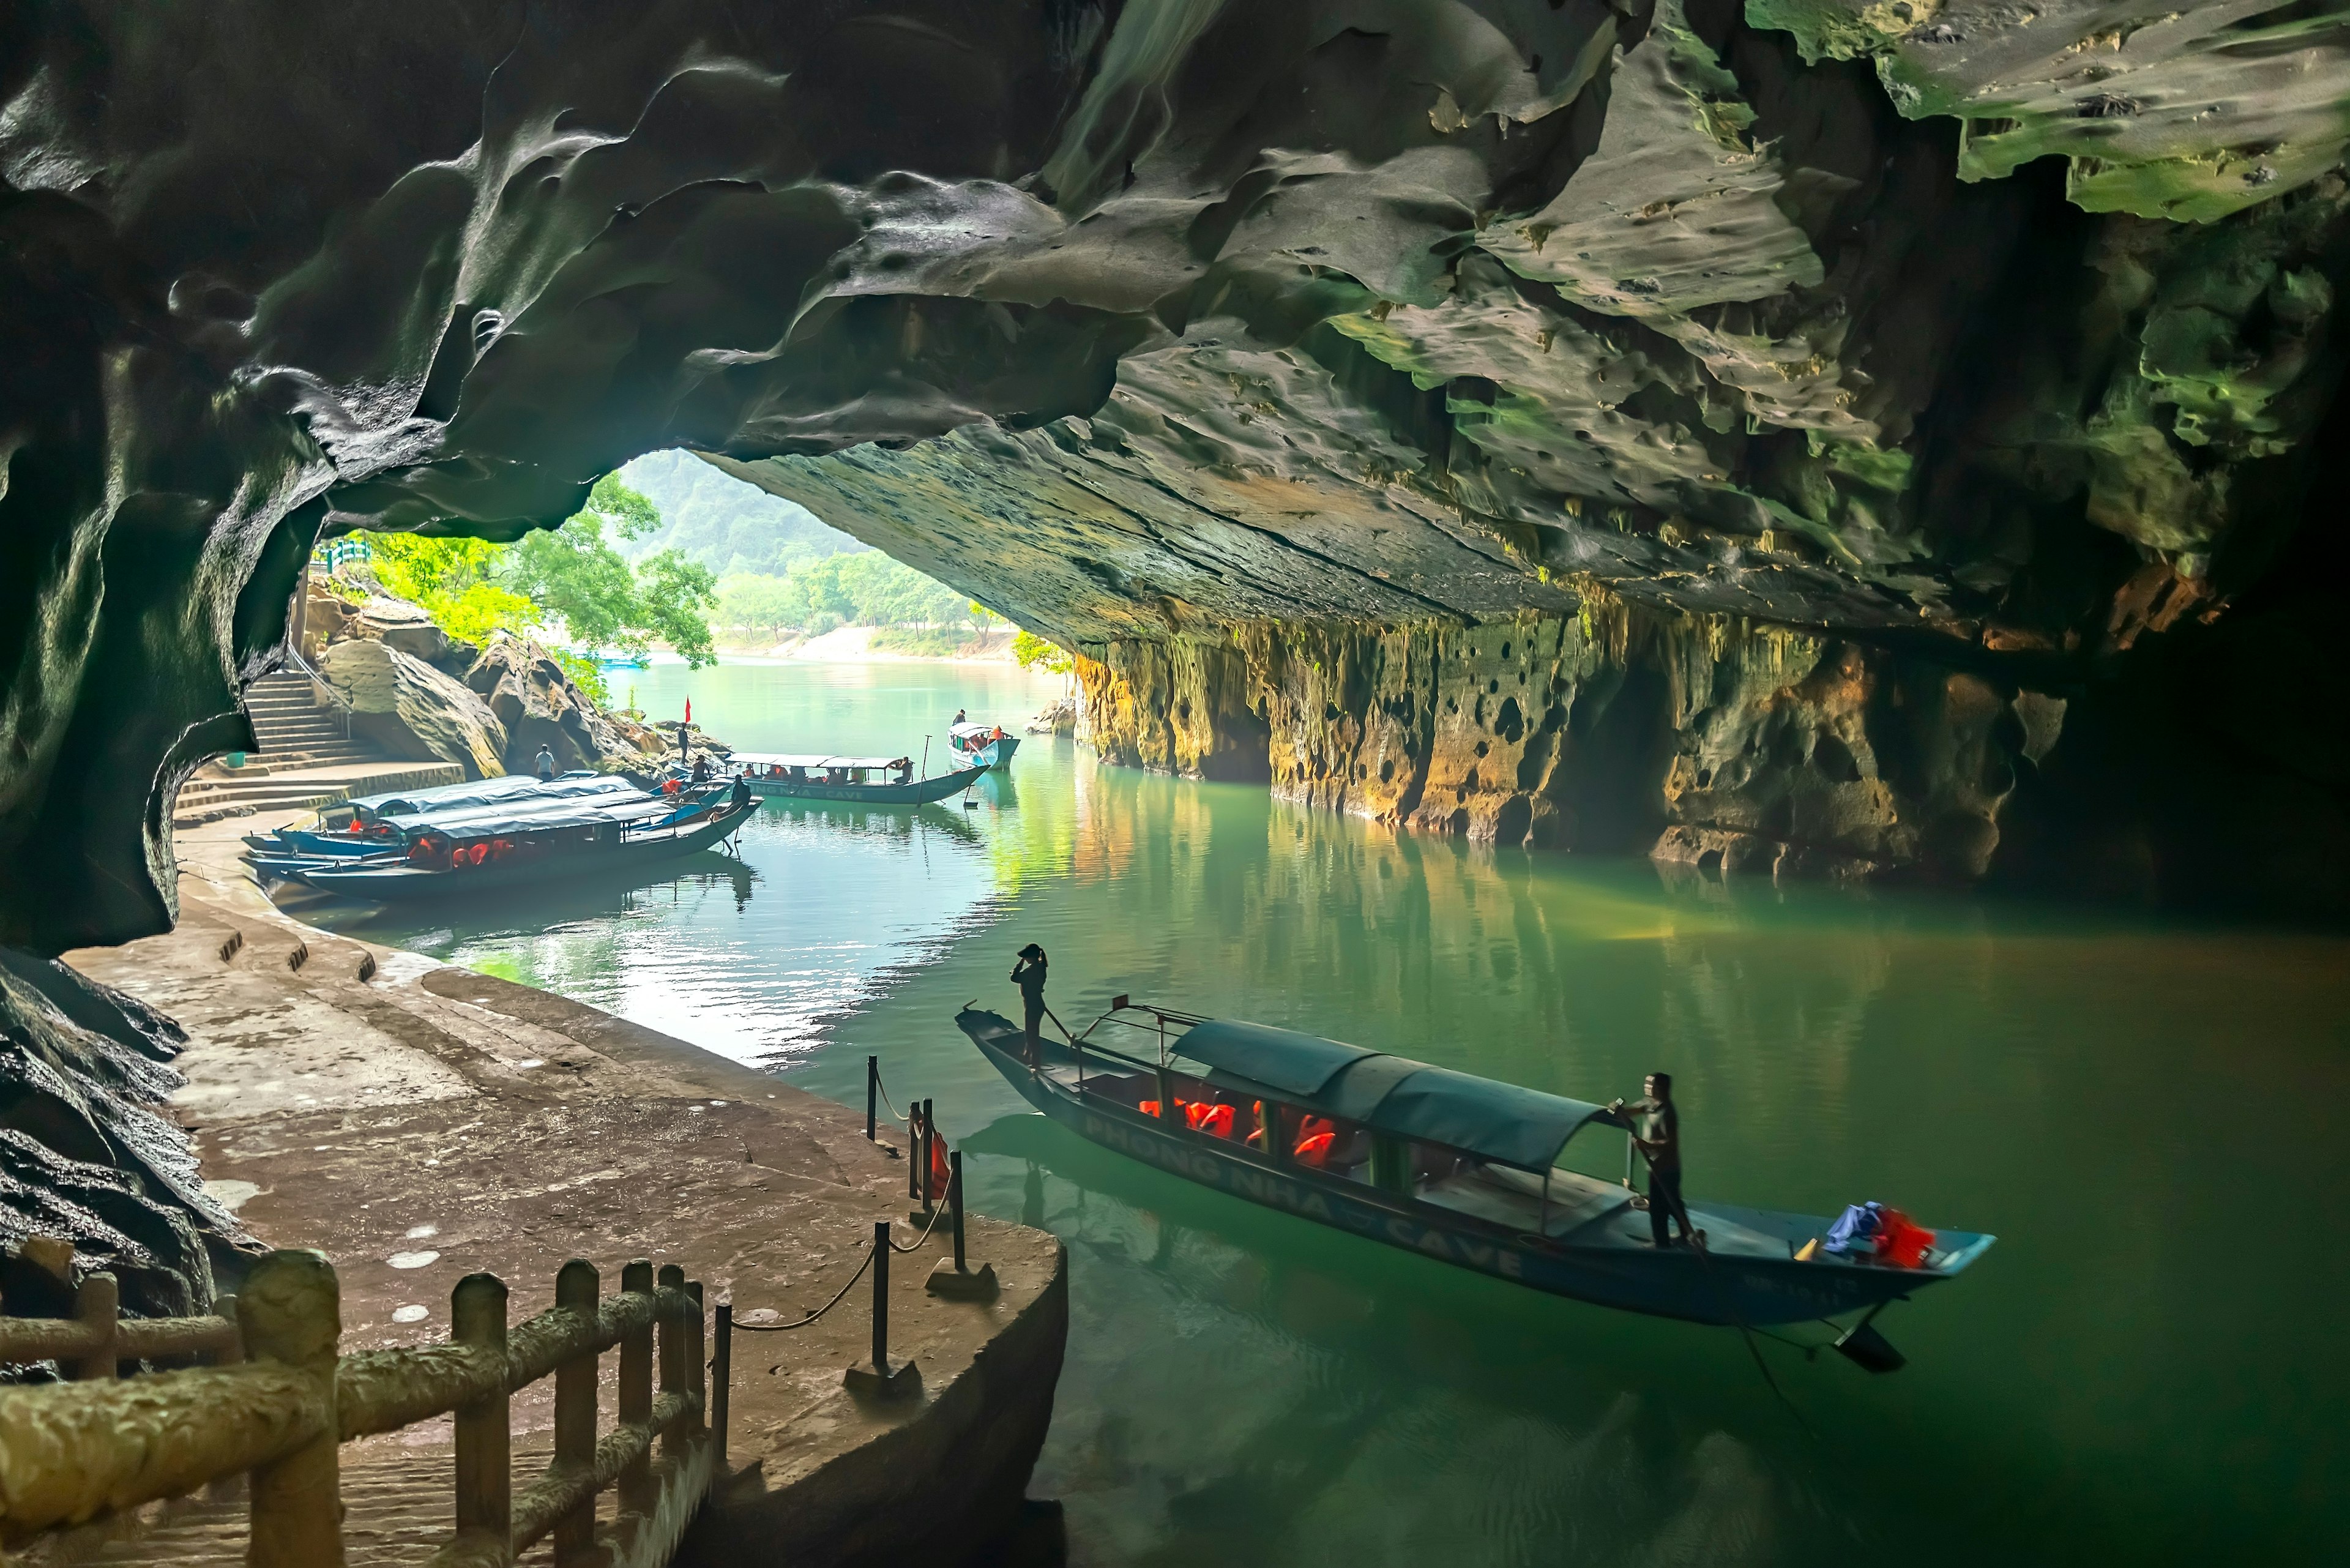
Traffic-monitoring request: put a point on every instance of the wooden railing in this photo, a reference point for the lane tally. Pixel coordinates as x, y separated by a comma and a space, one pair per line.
283, 1401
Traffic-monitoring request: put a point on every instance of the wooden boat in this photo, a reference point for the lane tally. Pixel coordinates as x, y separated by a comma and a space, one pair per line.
485, 855
981, 745
865, 781
1453, 1167
372, 824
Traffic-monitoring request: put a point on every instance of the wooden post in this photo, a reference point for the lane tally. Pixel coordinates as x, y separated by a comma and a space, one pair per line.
232, 1352
291, 1313
577, 1287
873, 1093
477, 1320
638, 1494
675, 1349
697, 1338
882, 1297
95, 1306
722, 1379
954, 1197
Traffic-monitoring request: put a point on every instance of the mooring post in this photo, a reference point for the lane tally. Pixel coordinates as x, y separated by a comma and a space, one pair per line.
577, 1287
637, 1495
929, 1144
96, 1306
477, 1320
676, 1348
290, 1312
914, 1149
954, 1198
953, 1279
698, 1346
872, 1095
722, 1380
882, 1297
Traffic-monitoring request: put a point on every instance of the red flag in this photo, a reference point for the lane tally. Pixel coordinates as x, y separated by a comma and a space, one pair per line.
689, 709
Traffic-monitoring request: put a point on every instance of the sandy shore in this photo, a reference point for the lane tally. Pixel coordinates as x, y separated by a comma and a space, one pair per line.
427, 1121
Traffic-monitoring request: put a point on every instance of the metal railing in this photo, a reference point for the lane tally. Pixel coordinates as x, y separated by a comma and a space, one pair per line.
283, 1401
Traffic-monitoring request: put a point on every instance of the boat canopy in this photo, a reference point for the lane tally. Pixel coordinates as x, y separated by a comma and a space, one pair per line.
812, 760
486, 791
549, 818
1500, 1122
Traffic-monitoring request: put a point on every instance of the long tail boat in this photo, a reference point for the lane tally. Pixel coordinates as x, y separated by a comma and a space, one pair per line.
865, 781
485, 852
1445, 1164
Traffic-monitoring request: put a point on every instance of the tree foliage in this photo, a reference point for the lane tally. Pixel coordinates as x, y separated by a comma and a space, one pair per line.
1034, 652
866, 588
572, 574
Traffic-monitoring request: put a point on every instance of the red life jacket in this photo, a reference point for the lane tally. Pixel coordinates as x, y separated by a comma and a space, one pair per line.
940, 1171
1216, 1121
1314, 1149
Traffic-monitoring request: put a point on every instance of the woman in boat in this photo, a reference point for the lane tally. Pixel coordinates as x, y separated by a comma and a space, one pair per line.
1028, 974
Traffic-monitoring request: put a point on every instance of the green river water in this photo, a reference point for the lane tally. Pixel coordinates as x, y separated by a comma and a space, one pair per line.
2144, 1369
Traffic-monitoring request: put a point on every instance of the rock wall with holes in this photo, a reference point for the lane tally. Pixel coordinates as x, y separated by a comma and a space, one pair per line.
1745, 749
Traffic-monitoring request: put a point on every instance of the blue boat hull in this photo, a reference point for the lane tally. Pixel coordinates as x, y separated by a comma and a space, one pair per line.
1613, 1267
996, 754
381, 883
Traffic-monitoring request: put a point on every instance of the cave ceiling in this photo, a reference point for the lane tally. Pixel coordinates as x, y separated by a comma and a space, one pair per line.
1935, 319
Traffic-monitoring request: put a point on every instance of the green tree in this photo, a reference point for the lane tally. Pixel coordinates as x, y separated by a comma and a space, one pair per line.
575, 573
1034, 652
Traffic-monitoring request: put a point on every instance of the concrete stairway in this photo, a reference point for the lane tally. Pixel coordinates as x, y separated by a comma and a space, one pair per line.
305, 761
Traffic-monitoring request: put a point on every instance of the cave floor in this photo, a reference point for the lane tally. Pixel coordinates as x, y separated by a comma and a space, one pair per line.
430, 1122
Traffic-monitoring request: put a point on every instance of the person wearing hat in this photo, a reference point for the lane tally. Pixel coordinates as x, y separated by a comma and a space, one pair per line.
1028, 974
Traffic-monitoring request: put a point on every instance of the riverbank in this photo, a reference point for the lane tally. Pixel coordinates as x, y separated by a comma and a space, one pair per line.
856, 645
419, 1122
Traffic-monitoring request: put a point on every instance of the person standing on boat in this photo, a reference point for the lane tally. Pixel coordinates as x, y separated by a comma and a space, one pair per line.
1028, 974
546, 764
680, 743
961, 717
1655, 1124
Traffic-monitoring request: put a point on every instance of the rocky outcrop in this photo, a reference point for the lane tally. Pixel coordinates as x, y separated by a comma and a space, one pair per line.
537, 704
86, 1159
1965, 333
1734, 747
412, 711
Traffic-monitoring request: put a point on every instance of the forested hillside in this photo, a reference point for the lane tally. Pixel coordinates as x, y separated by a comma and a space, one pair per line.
717, 521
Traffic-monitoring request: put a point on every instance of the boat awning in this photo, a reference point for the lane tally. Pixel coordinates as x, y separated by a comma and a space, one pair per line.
811, 760
1281, 1059
511, 789
1502, 1122
547, 818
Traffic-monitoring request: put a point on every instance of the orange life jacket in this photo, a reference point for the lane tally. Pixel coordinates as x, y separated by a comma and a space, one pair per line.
478, 853
1315, 1140
940, 1171
1216, 1121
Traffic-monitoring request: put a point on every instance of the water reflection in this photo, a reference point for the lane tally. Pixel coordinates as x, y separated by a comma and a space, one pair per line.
2136, 1370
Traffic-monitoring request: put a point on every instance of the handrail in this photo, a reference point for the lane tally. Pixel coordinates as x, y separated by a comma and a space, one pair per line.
72, 1452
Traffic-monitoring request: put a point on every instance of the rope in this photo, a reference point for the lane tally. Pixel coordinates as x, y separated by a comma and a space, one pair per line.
924, 1236
895, 1114
742, 1328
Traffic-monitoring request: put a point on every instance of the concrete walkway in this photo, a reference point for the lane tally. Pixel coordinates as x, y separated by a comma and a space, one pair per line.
428, 1122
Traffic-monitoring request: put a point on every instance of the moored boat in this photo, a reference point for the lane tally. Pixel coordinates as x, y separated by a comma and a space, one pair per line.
370, 824
1457, 1167
865, 781
486, 852
978, 746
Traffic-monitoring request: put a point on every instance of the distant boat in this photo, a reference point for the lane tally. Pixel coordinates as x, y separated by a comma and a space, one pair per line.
1453, 1167
867, 780
981, 745
484, 853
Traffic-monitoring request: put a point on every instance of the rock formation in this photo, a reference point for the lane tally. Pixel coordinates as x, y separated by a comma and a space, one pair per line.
413, 711
539, 704
1887, 427
85, 1159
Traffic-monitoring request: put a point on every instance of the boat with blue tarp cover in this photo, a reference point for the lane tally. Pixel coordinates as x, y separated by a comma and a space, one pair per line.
1460, 1169
368, 823
978, 746
864, 781
489, 849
